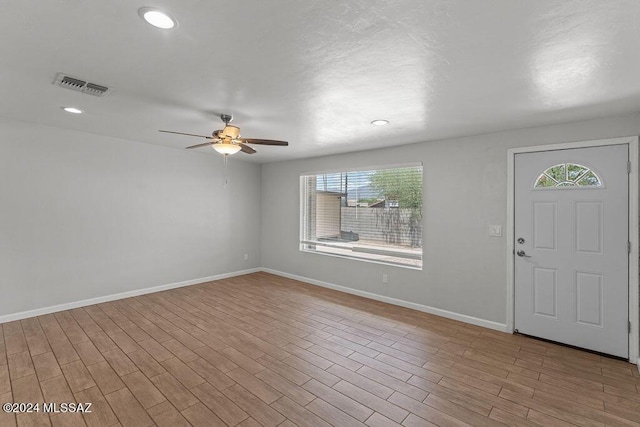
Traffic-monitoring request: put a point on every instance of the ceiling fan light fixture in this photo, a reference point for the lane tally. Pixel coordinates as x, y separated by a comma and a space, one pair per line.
157, 18
226, 148
227, 141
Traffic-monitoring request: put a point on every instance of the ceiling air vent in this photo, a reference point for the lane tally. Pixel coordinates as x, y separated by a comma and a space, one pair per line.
79, 85
94, 89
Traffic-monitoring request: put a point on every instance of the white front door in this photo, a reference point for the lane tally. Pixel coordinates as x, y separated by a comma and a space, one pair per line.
571, 259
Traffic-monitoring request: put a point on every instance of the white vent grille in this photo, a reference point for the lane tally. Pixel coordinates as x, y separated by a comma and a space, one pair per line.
79, 85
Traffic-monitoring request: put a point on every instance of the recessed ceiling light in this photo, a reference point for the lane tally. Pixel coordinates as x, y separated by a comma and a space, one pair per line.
157, 18
73, 110
380, 122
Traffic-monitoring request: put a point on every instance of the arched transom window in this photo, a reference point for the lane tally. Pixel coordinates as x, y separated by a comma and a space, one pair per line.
568, 175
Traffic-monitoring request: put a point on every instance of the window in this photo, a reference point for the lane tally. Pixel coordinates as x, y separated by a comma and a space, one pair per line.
372, 215
568, 175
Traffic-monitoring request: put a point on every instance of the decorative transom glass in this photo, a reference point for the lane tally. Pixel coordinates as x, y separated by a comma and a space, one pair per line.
568, 175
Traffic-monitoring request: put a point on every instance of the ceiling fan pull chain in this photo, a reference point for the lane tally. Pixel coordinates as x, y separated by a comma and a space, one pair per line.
225, 179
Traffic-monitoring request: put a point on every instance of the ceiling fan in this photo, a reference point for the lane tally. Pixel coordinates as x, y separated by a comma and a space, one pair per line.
228, 141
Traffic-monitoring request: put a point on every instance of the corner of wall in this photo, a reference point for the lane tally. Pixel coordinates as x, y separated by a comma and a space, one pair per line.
106, 298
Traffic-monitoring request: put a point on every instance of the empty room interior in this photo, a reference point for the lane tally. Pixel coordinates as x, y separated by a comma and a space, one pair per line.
319, 213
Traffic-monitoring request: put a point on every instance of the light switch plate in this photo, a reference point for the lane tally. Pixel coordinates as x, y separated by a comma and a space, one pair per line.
495, 231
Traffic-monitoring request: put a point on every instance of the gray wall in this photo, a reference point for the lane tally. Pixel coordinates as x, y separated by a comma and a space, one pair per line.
465, 191
85, 216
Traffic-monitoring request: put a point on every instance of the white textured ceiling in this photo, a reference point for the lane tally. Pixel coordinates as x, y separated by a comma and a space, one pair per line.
316, 72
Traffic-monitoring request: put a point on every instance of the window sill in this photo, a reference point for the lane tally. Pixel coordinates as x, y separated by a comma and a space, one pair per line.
366, 255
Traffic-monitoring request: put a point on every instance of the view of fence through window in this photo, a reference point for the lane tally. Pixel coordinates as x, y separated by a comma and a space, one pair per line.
372, 215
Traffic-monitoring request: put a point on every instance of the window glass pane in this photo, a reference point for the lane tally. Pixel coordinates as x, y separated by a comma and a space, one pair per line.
556, 172
545, 181
374, 215
574, 171
568, 175
589, 179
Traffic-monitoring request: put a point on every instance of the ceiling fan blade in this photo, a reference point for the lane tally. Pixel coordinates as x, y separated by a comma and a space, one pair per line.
263, 141
188, 134
201, 145
246, 149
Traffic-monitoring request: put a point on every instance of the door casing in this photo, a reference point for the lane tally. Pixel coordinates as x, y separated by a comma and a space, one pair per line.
634, 229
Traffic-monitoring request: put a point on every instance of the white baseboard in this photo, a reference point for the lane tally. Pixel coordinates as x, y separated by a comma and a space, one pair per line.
112, 297
424, 308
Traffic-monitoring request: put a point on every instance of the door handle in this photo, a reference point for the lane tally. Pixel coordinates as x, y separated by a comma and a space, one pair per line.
522, 254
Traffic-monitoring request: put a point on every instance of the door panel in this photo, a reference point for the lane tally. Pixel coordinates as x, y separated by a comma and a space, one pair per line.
588, 227
571, 269
544, 225
545, 292
589, 298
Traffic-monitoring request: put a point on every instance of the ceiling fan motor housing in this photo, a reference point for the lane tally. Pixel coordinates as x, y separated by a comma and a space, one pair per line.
230, 131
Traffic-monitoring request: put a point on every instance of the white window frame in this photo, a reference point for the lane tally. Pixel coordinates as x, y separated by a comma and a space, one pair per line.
303, 200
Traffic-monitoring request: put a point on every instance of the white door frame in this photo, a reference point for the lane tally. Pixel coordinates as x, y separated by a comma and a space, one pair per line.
634, 229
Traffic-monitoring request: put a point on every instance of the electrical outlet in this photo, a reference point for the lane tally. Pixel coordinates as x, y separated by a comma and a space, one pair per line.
385, 278
246, 257
495, 231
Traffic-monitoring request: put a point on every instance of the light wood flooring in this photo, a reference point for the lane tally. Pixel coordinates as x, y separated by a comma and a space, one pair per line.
264, 350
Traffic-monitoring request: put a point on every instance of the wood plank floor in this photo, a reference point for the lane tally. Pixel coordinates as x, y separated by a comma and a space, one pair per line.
264, 350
